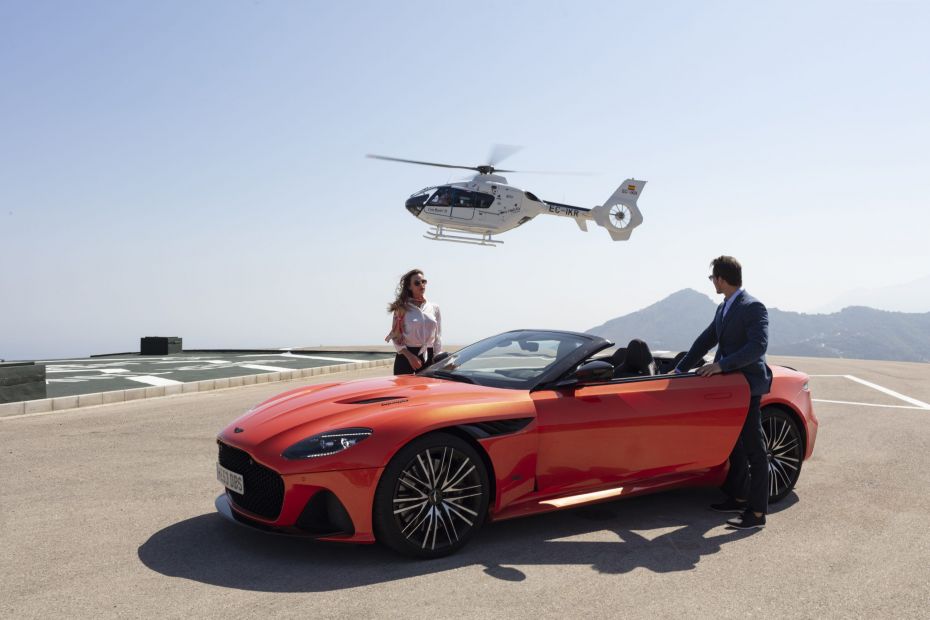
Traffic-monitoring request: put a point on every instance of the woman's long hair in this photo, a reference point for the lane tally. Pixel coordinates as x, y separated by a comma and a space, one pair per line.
402, 295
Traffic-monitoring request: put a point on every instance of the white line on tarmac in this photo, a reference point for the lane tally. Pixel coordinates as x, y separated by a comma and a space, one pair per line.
885, 390
150, 380
320, 357
919, 403
846, 402
32, 415
268, 368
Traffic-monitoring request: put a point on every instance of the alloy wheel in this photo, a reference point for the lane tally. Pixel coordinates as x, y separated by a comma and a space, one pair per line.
783, 445
438, 498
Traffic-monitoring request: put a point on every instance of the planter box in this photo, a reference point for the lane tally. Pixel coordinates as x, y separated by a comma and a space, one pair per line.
160, 345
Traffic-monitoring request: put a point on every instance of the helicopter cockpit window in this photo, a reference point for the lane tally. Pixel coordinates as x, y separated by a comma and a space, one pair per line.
442, 197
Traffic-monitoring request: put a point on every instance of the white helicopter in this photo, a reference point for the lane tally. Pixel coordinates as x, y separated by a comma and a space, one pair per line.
486, 205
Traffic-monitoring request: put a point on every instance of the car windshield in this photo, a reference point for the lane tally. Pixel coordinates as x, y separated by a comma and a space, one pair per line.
513, 360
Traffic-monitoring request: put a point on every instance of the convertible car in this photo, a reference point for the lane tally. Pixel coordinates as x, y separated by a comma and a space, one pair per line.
517, 424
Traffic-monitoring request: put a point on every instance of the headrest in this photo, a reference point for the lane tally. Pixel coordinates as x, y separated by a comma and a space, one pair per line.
639, 358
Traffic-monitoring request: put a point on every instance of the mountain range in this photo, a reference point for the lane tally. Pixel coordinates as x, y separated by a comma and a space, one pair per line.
859, 332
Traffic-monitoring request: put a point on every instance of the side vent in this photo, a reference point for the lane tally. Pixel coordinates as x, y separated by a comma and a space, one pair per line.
494, 428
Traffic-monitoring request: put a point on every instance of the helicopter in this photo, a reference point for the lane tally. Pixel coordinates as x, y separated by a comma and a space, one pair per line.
473, 211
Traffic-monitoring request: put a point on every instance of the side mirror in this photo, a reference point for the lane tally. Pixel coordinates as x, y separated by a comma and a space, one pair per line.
596, 371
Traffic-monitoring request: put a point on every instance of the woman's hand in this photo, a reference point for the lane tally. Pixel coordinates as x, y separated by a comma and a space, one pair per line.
415, 362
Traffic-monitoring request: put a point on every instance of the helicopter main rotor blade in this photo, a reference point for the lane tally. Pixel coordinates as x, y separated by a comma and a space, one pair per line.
500, 152
552, 172
422, 163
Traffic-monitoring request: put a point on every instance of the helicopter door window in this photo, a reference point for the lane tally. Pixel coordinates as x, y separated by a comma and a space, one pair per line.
483, 201
463, 199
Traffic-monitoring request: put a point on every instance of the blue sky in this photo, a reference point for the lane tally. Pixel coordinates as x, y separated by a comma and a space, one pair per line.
197, 169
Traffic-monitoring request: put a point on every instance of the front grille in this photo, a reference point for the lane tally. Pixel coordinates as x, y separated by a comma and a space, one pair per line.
264, 489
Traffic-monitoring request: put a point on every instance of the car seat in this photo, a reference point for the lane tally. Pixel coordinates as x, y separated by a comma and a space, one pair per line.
616, 358
638, 361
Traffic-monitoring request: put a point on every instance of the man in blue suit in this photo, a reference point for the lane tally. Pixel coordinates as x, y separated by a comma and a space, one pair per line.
740, 330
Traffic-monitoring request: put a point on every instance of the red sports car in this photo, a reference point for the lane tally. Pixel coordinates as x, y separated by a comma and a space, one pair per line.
520, 423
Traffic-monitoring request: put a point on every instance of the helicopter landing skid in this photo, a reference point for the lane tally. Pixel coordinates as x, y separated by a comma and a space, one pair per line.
438, 233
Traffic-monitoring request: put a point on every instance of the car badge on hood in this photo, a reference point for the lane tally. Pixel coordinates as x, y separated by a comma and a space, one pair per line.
238, 430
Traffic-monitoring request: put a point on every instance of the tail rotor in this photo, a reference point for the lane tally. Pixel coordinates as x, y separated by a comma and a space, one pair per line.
620, 215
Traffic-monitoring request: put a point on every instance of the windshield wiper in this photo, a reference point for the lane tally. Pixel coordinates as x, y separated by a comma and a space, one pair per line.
451, 377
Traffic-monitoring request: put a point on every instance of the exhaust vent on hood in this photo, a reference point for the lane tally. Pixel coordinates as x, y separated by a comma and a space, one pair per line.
368, 401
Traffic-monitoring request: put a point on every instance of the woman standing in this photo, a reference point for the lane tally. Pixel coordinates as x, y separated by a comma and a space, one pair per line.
417, 327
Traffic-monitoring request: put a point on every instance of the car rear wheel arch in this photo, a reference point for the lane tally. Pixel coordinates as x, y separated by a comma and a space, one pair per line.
797, 420
785, 461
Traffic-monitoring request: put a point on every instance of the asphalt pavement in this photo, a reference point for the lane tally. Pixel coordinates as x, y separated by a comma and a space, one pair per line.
107, 511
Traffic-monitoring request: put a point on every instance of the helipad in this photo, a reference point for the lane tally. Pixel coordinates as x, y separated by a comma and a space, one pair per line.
126, 371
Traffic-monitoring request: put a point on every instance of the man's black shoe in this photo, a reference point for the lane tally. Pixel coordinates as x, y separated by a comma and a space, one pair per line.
747, 521
730, 505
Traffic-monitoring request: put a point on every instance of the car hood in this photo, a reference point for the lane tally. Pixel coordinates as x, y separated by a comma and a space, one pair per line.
390, 405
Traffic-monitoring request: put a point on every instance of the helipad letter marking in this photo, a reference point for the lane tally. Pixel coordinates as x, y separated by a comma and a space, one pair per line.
150, 380
268, 368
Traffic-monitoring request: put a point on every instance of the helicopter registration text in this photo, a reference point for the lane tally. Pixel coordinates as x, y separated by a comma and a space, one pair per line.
569, 211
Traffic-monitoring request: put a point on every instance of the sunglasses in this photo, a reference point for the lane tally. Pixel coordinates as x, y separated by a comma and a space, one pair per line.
419, 282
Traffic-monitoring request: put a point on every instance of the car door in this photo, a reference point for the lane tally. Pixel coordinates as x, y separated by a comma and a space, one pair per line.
637, 429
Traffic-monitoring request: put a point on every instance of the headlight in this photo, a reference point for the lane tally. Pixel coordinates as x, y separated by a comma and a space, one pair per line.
806, 387
326, 443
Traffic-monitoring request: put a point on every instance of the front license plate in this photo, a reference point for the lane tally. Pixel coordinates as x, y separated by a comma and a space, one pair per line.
230, 479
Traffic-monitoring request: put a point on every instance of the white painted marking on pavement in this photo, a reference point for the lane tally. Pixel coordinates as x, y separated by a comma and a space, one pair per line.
113, 371
920, 404
846, 402
150, 380
32, 415
268, 368
320, 357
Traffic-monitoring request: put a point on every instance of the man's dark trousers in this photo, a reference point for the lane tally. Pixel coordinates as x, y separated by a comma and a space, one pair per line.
749, 452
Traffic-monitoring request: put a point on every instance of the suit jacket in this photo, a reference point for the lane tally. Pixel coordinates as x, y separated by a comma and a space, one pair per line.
742, 337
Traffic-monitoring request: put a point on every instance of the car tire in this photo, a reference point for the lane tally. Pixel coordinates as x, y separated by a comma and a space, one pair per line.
784, 448
432, 497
